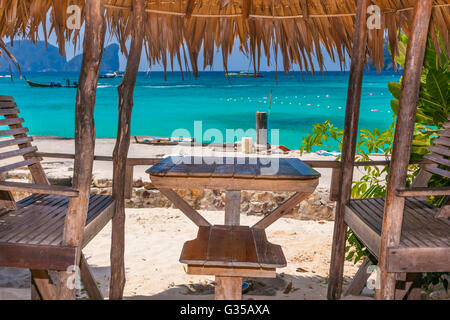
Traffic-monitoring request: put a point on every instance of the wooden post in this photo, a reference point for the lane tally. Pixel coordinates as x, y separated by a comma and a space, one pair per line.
261, 130
230, 288
120, 155
129, 172
94, 38
348, 149
233, 208
394, 206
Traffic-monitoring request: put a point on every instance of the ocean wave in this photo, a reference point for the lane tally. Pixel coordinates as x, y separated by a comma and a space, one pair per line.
102, 86
8, 76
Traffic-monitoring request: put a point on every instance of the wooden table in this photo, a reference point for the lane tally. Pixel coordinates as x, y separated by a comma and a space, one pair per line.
232, 251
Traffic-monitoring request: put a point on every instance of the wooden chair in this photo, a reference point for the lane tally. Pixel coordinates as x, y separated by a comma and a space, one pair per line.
31, 230
425, 235
230, 253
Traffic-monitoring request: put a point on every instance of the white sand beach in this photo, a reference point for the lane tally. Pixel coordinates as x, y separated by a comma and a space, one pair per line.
154, 239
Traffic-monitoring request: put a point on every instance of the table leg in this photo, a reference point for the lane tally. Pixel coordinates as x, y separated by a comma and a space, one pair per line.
233, 208
228, 288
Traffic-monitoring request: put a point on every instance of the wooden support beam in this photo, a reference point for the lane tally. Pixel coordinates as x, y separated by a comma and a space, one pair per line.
89, 281
394, 207
233, 208
42, 286
178, 202
281, 210
94, 40
348, 149
129, 172
335, 184
359, 281
120, 155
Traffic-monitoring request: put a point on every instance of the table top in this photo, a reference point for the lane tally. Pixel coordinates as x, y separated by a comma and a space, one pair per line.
233, 167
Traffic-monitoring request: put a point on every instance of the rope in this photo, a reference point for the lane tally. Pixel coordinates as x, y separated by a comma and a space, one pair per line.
255, 16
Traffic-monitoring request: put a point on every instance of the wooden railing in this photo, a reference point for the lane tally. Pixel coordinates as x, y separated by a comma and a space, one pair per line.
321, 164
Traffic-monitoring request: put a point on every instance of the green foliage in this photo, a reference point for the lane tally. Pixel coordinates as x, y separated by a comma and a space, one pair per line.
433, 111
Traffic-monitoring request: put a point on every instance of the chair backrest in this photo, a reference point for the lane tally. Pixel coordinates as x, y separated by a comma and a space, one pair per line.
440, 153
16, 150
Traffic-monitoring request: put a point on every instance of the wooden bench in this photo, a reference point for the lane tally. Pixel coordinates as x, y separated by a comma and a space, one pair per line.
425, 234
31, 230
232, 251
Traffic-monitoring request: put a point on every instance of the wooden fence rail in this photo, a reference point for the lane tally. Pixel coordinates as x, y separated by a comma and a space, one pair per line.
321, 164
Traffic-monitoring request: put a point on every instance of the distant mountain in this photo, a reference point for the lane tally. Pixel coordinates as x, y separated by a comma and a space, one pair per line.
37, 58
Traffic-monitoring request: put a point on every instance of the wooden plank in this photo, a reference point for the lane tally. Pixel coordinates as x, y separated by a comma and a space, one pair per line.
18, 165
34, 218
269, 255
359, 281
185, 207
440, 150
228, 288
302, 168
9, 111
89, 281
38, 188
335, 184
6, 98
43, 284
129, 176
12, 142
5, 105
195, 252
423, 192
17, 153
281, 210
217, 183
438, 171
12, 121
163, 166
220, 249
93, 227
13, 255
231, 271
348, 149
12, 132
98, 206
437, 159
443, 141
367, 235
418, 260
244, 250
233, 208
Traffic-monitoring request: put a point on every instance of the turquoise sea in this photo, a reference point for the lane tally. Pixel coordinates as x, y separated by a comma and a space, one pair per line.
220, 103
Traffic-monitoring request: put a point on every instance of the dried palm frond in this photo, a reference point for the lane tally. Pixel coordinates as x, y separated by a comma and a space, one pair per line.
178, 31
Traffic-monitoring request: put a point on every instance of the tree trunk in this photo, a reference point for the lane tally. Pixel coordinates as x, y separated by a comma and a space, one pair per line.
126, 90
94, 39
348, 149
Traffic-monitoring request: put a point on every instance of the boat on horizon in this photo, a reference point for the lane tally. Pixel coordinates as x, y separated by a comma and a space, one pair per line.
244, 74
111, 75
52, 84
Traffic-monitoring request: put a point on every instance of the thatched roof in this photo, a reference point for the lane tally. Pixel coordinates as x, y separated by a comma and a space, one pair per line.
178, 30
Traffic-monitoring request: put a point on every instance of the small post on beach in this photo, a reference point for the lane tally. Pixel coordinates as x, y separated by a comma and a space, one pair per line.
261, 131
